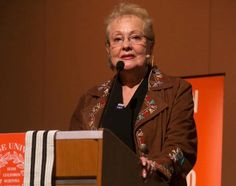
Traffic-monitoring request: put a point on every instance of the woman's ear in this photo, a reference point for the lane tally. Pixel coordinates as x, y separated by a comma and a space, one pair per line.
108, 49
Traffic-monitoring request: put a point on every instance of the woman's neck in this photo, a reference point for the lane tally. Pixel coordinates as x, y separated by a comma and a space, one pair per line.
131, 78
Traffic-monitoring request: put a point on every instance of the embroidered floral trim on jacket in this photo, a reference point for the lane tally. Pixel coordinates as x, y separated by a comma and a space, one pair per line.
151, 107
93, 112
177, 156
105, 88
157, 75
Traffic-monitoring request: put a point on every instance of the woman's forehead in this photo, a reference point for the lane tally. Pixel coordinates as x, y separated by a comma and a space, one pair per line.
126, 23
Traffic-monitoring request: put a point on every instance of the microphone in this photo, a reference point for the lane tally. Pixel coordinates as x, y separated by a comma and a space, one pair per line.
120, 66
144, 150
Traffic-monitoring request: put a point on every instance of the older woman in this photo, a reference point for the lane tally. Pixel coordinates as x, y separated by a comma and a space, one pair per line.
149, 111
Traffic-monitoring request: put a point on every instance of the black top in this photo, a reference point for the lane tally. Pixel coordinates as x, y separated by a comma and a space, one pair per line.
120, 119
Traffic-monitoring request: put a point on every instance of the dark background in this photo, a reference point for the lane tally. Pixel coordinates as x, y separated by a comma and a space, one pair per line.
51, 51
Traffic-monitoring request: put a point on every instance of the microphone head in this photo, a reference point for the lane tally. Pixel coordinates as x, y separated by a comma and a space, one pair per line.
143, 148
120, 66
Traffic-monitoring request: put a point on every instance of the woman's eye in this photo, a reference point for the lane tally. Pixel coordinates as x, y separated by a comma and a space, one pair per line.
136, 38
117, 39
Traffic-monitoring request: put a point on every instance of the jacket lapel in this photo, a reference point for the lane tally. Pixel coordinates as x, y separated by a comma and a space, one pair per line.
153, 103
95, 111
151, 107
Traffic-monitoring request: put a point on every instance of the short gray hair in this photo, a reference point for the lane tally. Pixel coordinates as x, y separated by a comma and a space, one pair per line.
123, 9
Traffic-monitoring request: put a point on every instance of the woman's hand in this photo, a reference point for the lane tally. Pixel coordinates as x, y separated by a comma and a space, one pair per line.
148, 167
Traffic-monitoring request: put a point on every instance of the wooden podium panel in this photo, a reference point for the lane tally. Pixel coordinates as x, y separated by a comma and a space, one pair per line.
78, 158
82, 160
97, 158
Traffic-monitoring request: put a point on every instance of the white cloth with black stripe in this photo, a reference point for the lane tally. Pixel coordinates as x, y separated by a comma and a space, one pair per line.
39, 158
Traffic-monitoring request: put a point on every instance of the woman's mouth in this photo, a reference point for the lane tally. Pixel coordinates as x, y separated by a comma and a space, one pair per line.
127, 57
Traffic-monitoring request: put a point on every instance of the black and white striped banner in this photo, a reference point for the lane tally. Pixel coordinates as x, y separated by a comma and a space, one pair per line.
39, 158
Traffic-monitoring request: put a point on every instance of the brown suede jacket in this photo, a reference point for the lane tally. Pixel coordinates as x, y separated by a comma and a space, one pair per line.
165, 123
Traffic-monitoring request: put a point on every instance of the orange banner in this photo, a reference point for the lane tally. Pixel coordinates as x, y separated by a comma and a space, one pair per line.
12, 149
208, 95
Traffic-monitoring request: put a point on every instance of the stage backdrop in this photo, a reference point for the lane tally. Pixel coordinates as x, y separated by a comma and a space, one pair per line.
208, 93
208, 101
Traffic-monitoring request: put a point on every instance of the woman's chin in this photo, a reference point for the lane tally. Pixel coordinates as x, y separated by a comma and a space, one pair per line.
132, 66
129, 67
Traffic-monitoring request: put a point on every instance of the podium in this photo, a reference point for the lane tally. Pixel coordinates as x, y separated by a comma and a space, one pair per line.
97, 158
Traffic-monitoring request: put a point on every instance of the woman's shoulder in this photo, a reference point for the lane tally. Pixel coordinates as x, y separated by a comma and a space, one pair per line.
100, 89
160, 80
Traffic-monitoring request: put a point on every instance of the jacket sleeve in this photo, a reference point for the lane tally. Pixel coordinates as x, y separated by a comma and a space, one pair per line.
77, 122
180, 141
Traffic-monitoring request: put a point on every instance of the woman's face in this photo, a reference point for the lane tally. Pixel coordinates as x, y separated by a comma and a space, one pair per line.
128, 42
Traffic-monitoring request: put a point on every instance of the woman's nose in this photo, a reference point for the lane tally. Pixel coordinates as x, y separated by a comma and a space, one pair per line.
126, 44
